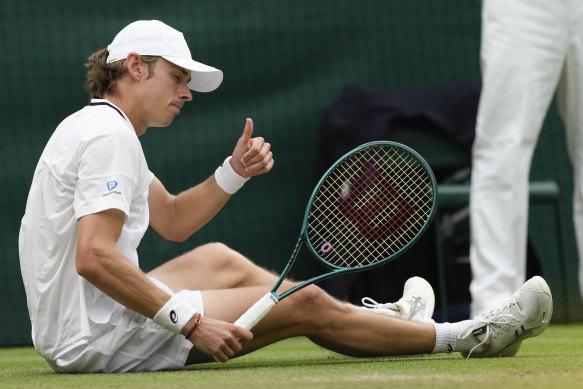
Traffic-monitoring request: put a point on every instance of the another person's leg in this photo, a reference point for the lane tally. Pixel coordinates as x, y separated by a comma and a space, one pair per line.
521, 69
570, 101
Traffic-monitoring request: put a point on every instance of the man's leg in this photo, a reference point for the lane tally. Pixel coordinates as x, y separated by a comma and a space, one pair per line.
348, 330
212, 266
342, 327
330, 323
230, 284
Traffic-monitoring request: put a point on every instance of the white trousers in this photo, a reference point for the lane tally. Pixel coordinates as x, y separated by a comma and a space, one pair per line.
529, 50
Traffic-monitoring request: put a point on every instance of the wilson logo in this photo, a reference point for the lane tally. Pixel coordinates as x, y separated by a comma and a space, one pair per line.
111, 185
370, 195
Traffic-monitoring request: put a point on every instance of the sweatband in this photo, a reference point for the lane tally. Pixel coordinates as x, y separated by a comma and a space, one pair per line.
174, 315
228, 179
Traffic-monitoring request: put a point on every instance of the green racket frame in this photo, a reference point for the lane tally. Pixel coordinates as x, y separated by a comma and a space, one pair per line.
266, 303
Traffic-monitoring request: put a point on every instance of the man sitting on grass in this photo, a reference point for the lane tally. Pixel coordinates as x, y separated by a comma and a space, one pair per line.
92, 198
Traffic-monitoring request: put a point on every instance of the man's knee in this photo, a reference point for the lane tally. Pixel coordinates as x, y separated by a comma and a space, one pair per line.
314, 304
229, 265
213, 248
216, 254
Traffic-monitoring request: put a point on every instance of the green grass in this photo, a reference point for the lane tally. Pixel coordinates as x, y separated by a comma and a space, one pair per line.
552, 360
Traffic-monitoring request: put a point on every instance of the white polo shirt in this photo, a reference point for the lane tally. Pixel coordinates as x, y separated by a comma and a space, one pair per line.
92, 162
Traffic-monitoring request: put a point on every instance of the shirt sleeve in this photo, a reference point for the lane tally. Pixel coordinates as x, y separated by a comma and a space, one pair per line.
108, 166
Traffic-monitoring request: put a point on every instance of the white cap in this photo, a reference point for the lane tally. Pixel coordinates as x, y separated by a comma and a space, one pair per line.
152, 37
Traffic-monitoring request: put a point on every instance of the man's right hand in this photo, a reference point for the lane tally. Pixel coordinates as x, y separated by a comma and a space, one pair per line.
219, 339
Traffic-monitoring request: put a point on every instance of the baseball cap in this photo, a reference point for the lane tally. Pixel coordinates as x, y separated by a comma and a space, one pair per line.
152, 37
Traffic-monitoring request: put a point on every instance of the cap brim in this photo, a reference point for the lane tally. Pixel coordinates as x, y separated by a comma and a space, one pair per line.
204, 78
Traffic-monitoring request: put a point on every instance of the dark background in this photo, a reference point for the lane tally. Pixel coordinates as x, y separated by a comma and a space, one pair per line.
285, 64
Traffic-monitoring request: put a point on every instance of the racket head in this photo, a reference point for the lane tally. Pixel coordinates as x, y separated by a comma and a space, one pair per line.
370, 206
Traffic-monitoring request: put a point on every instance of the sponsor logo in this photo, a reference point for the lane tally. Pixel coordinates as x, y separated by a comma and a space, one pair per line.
273, 298
173, 317
111, 185
479, 331
418, 306
525, 333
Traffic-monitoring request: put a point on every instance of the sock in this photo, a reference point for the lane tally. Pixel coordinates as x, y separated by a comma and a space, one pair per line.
446, 337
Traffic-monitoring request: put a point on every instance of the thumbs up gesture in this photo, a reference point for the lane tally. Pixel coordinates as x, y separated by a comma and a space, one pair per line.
251, 156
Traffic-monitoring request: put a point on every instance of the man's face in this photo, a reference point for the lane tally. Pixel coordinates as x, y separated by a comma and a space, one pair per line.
164, 93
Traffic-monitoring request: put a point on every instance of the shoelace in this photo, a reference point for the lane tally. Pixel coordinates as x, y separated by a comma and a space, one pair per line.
371, 303
495, 322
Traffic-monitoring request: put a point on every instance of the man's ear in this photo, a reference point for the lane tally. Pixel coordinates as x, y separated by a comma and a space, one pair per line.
137, 69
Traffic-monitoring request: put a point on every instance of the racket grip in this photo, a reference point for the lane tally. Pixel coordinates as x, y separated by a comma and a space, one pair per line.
257, 311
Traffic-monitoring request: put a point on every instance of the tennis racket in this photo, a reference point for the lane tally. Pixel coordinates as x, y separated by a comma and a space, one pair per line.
366, 210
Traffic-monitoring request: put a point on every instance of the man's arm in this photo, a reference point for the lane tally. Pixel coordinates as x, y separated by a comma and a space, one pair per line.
176, 217
105, 266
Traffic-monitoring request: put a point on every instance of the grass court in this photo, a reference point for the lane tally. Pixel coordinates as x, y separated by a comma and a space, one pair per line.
552, 360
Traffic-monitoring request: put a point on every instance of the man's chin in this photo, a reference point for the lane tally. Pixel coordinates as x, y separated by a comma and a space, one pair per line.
163, 124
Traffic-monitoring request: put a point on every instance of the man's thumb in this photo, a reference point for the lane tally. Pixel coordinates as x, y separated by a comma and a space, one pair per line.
247, 132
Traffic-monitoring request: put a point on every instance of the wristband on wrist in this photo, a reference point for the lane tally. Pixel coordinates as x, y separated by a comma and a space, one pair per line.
227, 178
194, 327
174, 315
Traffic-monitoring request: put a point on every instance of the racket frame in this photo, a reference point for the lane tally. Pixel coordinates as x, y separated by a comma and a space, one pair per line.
262, 306
338, 270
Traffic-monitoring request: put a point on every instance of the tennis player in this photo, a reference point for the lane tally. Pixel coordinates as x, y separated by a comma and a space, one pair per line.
92, 198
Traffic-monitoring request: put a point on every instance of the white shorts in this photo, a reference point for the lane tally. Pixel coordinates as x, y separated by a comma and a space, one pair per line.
134, 344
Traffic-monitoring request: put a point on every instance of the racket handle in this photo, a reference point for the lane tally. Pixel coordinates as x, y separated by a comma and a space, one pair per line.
257, 311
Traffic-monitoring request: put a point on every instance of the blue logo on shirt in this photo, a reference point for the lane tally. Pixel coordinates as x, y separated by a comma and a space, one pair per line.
111, 185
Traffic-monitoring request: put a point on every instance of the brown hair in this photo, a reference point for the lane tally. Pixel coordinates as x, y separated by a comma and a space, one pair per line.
102, 77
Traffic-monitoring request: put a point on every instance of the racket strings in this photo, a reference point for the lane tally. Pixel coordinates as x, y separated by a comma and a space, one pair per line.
398, 218
370, 206
363, 255
415, 181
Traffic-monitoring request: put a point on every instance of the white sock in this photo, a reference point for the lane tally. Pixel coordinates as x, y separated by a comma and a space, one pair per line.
446, 337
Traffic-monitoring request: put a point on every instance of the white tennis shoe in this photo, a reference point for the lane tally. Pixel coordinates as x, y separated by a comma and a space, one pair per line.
417, 303
501, 331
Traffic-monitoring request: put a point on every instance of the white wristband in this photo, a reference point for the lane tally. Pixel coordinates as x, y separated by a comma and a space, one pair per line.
174, 315
228, 179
